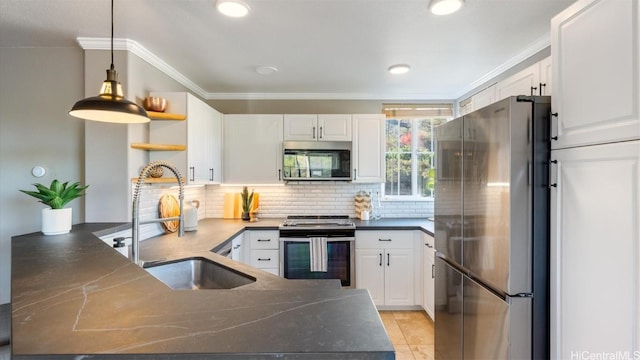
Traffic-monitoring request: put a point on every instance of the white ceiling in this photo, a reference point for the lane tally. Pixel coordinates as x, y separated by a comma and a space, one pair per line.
322, 48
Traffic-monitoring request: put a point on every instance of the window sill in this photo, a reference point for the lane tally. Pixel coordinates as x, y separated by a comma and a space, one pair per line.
406, 198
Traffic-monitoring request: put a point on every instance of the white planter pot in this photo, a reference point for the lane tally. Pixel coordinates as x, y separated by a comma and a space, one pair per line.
56, 221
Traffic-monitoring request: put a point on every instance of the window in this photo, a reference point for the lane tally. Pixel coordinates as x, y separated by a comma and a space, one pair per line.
410, 148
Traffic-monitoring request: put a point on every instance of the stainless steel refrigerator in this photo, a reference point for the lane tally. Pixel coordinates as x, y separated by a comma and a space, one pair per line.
492, 232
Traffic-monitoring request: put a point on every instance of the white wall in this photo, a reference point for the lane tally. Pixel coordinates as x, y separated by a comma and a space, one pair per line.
38, 86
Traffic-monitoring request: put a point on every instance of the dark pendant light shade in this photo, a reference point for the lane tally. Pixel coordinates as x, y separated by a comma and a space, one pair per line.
110, 105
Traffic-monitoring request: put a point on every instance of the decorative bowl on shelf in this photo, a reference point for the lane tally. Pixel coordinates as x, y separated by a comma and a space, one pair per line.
156, 172
152, 103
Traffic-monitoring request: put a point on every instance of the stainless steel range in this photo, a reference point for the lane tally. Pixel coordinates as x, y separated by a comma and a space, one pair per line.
318, 247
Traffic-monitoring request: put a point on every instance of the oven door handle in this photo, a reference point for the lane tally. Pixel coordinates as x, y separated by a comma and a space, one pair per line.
306, 239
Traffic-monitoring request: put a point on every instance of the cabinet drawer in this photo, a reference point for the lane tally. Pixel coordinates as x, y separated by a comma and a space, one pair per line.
263, 239
384, 239
263, 259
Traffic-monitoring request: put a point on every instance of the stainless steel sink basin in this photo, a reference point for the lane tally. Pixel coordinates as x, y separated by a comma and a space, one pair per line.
197, 274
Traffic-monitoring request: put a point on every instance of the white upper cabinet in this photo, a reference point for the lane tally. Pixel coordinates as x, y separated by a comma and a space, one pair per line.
594, 46
312, 127
252, 149
368, 153
525, 82
200, 133
534, 80
546, 76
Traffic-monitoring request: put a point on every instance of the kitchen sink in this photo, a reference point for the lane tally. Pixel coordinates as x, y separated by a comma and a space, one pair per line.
198, 274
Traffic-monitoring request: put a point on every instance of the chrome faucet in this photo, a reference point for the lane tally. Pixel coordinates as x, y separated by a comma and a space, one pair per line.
135, 230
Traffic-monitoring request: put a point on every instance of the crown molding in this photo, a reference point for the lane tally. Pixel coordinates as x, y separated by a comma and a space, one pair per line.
135, 48
324, 96
535, 47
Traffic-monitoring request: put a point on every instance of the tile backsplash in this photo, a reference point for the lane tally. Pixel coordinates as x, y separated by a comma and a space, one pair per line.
314, 198
278, 201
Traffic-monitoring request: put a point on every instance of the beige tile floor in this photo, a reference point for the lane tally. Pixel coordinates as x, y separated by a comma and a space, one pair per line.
411, 333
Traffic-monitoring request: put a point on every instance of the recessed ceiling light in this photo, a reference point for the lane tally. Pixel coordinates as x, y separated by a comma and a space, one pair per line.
399, 69
232, 8
445, 7
266, 70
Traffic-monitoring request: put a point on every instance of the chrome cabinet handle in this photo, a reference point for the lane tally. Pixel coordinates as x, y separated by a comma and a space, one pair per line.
193, 173
211, 178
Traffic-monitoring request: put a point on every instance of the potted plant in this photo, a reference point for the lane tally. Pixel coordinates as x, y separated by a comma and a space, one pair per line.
247, 201
56, 219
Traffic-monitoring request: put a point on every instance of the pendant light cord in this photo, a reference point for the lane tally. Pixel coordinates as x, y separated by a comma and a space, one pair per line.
112, 67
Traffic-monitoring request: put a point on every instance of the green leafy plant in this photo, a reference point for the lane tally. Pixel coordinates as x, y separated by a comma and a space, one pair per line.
58, 194
247, 199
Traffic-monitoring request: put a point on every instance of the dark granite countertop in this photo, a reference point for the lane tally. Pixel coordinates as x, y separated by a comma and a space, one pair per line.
74, 295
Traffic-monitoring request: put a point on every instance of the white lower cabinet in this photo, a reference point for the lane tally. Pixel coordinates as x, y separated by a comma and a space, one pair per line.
428, 275
263, 250
385, 265
237, 248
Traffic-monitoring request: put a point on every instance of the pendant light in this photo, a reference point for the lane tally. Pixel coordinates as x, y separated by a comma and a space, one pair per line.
110, 105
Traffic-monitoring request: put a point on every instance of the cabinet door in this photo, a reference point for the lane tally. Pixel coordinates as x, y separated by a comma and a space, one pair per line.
237, 248
484, 97
594, 249
199, 129
336, 127
524, 82
252, 149
215, 144
545, 87
301, 127
594, 46
370, 273
399, 276
368, 148
428, 276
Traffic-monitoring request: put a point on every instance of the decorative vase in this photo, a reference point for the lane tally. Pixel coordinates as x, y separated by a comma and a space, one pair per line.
246, 216
56, 221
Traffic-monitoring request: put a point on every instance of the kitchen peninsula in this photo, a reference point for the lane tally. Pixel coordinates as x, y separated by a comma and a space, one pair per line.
73, 295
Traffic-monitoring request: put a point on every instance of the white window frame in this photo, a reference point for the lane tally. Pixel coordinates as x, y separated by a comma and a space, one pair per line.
414, 159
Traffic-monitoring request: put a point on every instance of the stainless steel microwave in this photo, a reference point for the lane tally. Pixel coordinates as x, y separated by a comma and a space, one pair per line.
316, 160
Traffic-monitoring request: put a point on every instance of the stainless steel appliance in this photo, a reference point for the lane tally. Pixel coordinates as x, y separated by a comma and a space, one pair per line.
492, 232
316, 160
296, 233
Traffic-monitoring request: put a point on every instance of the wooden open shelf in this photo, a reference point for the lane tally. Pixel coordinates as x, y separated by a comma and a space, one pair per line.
154, 115
158, 147
160, 180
